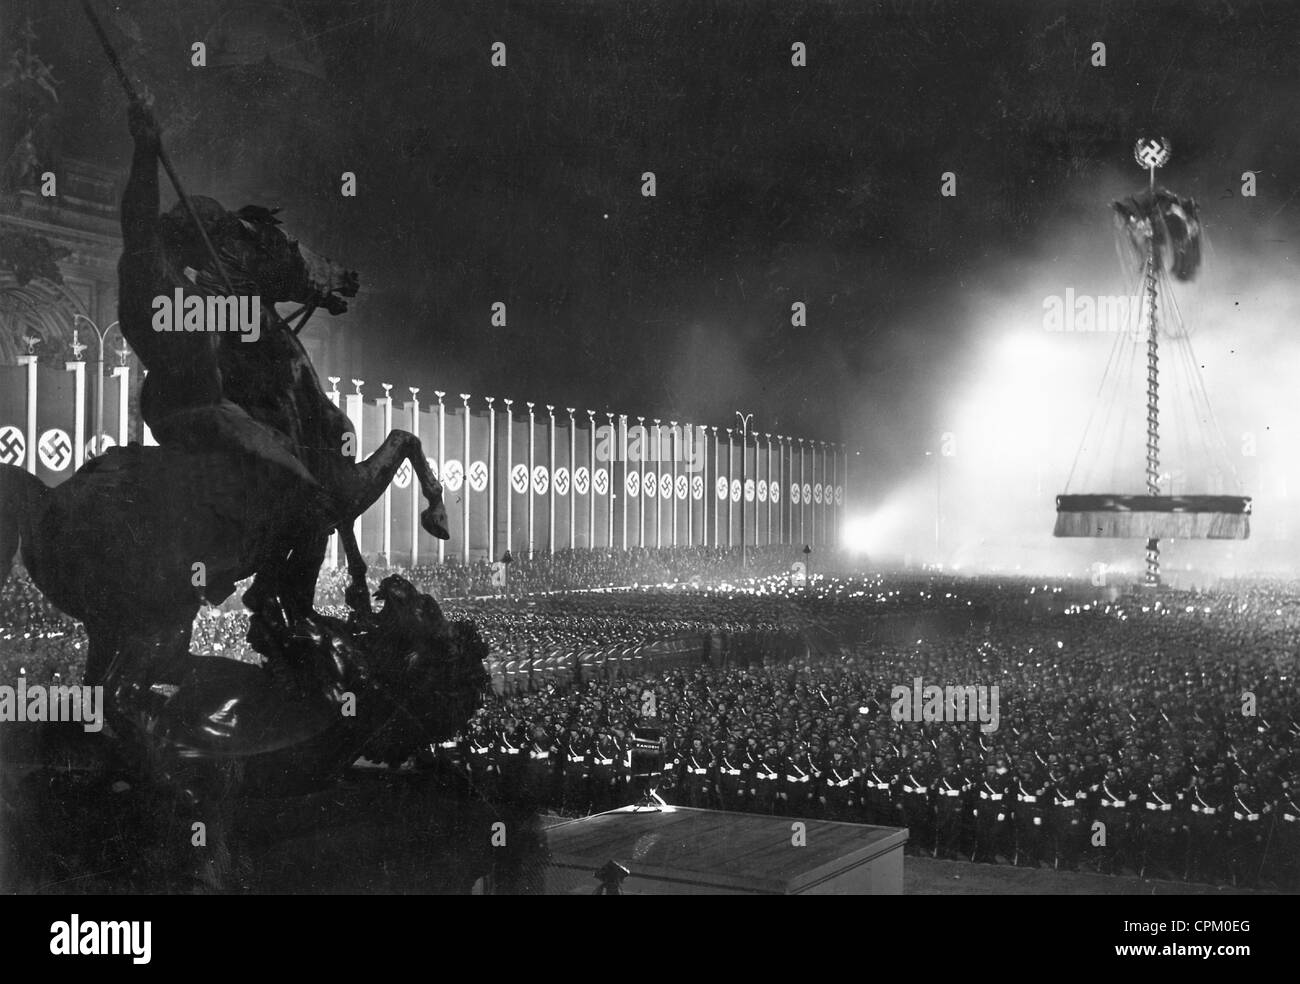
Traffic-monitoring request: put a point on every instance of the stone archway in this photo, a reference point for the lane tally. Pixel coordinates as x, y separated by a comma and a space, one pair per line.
39, 307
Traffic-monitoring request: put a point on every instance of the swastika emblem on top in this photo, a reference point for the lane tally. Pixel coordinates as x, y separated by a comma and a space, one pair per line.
817, 493
581, 480
749, 490
697, 487
665, 485
402, 477
774, 492
561, 481
55, 449
13, 449
478, 476
600, 481
794, 493
541, 479
519, 479
633, 483
807, 492
682, 486
735, 490
651, 485
839, 495
722, 487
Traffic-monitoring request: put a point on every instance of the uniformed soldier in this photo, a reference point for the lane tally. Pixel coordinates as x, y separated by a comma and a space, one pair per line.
990, 816
878, 792
1027, 790
914, 797
797, 775
727, 780
766, 779
1162, 830
482, 763
1113, 802
1284, 845
1065, 817
1205, 801
697, 764
1246, 826
950, 798
540, 768
602, 761
577, 792
508, 757
620, 794
837, 788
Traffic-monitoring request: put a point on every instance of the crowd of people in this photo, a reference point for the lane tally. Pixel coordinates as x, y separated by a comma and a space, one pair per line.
1148, 732
1152, 735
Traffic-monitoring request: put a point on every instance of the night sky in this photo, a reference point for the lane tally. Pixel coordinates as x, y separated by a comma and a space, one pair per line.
775, 183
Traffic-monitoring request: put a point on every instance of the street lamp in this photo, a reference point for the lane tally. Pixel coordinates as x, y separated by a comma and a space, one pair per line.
745, 418
101, 335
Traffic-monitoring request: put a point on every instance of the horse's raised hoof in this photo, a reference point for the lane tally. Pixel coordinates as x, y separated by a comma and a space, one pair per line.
434, 522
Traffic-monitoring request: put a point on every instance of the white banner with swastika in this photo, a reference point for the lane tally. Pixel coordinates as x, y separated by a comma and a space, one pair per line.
455, 475
478, 476
13, 447
55, 449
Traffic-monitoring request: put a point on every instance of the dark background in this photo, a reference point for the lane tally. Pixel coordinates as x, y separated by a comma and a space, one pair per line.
775, 183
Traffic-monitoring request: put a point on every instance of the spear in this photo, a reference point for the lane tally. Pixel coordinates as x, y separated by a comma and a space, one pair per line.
132, 96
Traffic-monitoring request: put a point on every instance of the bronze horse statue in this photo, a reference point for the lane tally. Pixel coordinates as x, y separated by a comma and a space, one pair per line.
219, 391
252, 473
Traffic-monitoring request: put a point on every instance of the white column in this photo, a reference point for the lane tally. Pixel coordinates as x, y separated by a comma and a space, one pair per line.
123, 376
673, 452
78, 370
492, 479
573, 467
386, 409
532, 463
510, 464
464, 483
30, 362
591, 477
442, 457
658, 499
550, 484
332, 548
413, 408
353, 407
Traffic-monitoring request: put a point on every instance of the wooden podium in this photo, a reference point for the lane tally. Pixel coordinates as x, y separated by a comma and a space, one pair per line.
682, 851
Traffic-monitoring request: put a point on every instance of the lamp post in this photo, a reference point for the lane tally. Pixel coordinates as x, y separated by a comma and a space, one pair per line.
101, 335
745, 418
938, 503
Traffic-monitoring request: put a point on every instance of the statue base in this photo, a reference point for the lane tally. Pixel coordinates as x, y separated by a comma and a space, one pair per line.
74, 820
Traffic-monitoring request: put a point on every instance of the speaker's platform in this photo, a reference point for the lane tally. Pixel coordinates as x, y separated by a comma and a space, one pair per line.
683, 851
